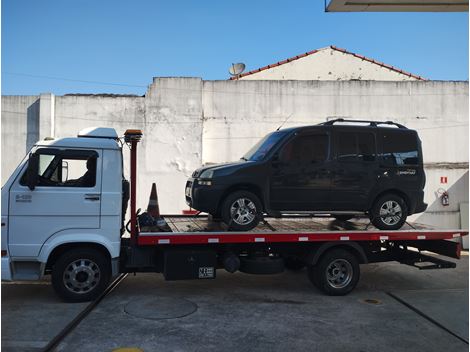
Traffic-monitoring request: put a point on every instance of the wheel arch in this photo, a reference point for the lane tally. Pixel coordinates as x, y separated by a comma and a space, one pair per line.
396, 192
245, 186
352, 247
65, 247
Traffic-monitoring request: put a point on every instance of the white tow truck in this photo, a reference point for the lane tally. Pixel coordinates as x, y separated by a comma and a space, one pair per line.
63, 211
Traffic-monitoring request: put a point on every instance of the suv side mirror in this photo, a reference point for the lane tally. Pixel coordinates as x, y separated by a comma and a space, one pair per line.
32, 171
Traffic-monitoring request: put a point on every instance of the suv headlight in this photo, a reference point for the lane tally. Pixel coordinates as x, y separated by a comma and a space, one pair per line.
207, 174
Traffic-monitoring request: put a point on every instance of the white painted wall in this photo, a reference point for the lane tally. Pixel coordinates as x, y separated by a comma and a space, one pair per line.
328, 64
187, 122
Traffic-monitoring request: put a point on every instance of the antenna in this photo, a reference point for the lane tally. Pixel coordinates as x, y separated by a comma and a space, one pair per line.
236, 69
287, 119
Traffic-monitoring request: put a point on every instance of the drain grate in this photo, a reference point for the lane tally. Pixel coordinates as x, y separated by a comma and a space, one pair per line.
372, 301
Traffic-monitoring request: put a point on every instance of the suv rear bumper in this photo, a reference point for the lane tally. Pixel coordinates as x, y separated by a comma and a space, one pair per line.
417, 203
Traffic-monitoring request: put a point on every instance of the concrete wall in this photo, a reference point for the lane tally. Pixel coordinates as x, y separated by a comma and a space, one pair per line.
329, 64
188, 122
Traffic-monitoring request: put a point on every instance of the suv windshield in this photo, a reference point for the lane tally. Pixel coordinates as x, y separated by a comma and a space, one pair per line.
263, 147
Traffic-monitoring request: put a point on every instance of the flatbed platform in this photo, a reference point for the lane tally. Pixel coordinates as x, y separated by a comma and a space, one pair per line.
201, 230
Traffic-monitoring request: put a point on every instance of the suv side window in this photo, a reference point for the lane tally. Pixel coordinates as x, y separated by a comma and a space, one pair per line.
306, 149
58, 168
356, 146
400, 148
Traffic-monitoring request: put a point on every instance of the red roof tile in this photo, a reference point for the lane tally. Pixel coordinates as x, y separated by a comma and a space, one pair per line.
334, 48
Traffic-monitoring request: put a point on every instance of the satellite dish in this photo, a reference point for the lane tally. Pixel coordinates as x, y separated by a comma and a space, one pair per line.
236, 69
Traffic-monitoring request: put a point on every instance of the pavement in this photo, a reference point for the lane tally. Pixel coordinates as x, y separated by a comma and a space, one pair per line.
393, 308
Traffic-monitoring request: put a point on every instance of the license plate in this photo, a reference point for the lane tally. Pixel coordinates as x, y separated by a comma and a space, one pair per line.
188, 192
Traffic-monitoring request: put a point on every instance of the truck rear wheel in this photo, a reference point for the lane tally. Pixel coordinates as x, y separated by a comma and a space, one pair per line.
336, 273
81, 275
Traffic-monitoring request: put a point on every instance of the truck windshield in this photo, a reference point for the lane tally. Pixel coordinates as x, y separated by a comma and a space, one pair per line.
264, 146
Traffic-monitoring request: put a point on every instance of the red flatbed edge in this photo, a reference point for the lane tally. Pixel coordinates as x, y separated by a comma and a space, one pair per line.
199, 230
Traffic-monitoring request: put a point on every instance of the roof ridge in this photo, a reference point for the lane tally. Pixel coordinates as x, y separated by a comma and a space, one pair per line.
308, 53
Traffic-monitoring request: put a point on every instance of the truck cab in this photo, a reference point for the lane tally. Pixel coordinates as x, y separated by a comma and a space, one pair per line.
66, 194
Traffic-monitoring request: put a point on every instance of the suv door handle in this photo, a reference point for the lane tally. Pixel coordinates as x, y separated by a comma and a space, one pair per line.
93, 197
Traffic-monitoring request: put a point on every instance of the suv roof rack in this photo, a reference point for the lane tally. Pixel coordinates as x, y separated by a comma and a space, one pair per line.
371, 123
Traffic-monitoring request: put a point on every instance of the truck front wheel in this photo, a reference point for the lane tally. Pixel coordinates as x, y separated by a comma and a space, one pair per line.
81, 274
336, 273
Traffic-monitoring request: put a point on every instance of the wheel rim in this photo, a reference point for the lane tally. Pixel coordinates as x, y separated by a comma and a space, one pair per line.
391, 212
339, 273
81, 276
243, 211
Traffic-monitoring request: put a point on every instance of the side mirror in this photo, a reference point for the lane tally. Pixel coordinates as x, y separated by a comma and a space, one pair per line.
32, 171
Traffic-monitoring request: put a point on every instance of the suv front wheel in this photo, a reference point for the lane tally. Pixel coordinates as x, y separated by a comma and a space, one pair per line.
240, 211
389, 212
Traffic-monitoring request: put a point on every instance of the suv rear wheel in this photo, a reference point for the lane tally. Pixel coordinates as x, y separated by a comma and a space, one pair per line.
389, 212
240, 211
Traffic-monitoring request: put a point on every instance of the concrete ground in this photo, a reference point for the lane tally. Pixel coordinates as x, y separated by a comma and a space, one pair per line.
240, 312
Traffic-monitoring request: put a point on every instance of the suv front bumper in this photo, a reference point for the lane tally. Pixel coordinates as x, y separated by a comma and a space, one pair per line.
203, 197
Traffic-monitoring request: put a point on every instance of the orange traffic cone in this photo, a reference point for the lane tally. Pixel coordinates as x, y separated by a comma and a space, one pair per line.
153, 208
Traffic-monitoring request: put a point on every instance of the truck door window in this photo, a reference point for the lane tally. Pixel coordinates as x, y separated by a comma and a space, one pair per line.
400, 148
66, 169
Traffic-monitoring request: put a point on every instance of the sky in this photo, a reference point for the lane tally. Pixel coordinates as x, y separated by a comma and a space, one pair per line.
89, 46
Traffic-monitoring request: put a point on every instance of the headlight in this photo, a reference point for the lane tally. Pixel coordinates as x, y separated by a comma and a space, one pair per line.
207, 174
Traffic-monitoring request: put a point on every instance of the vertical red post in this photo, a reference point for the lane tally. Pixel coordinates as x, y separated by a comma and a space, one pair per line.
133, 192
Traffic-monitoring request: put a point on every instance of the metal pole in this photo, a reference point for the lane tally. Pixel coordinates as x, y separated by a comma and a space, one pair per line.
133, 192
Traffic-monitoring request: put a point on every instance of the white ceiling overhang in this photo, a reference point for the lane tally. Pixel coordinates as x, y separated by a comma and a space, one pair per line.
397, 6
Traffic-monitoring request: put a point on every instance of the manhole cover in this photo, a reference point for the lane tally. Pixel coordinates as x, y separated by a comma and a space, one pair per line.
156, 308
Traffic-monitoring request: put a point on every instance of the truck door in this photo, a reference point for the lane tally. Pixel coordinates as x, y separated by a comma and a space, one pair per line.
67, 196
355, 169
300, 179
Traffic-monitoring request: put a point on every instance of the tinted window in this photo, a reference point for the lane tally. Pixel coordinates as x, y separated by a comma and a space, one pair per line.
347, 146
400, 148
264, 146
356, 146
306, 149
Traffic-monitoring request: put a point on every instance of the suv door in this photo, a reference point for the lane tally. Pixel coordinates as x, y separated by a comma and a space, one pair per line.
68, 196
355, 169
300, 178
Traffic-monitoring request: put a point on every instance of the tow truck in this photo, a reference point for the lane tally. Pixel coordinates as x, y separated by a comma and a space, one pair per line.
76, 233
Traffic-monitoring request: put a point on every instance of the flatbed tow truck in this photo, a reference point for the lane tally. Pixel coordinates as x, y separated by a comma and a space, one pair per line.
80, 241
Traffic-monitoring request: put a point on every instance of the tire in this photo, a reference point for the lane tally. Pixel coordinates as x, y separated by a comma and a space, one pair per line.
240, 211
87, 280
294, 264
336, 273
395, 209
343, 217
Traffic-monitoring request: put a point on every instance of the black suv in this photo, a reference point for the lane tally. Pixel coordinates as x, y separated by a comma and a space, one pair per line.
340, 167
